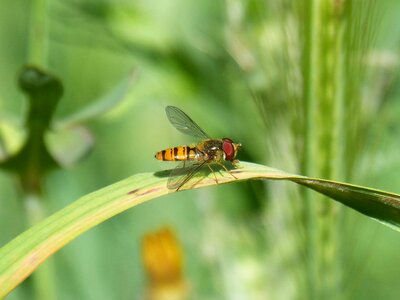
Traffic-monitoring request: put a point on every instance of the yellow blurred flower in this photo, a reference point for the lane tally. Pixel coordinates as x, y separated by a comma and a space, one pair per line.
163, 262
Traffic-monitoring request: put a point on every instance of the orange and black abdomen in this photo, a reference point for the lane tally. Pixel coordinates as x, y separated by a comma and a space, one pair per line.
177, 154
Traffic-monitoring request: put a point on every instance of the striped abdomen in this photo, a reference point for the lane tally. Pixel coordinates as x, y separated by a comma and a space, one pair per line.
178, 153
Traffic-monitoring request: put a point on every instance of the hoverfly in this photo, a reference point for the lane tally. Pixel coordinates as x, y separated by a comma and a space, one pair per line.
207, 152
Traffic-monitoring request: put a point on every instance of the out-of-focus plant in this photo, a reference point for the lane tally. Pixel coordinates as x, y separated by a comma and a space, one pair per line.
163, 259
306, 64
47, 145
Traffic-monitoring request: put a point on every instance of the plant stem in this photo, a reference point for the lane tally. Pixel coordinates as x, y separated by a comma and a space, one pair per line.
310, 70
38, 35
323, 153
43, 278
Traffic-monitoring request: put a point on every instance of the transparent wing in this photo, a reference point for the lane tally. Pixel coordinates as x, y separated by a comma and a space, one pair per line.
185, 171
184, 123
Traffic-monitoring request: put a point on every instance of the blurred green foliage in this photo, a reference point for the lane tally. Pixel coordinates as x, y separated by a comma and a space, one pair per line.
233, 66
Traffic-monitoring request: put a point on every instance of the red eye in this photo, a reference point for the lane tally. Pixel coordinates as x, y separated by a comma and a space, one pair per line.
227, 146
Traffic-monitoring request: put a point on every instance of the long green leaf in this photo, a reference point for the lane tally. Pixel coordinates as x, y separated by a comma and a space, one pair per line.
100, 106
379, 205
20, 257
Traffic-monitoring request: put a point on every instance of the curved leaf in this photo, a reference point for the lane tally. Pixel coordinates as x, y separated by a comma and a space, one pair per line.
20, 257
382, 206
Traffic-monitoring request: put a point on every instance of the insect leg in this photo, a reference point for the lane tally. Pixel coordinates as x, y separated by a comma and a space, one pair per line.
235, 163
222, 165
212, 171
189, 175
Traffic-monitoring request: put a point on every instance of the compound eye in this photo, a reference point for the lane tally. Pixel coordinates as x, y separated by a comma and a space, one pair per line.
227, 146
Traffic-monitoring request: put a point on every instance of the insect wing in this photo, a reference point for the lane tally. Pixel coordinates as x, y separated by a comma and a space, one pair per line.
184, 123
183, 173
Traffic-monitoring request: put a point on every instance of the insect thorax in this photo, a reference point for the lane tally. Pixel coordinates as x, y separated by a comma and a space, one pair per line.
212, 149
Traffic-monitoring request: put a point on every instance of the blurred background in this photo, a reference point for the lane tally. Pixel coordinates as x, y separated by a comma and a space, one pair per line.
308, 87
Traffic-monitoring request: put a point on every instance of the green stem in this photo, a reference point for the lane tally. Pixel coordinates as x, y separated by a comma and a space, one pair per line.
38, 35
310, 79
43, 278
35, 211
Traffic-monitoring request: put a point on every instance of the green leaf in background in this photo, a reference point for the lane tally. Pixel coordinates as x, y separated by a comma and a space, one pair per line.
20, 257
12, 136
70, 145
100, 106
70, 142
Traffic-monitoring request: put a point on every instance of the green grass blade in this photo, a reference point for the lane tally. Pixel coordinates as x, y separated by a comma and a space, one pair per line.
380, 205
20, 257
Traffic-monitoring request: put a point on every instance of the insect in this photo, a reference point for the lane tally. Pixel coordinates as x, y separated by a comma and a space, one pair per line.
192, 158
